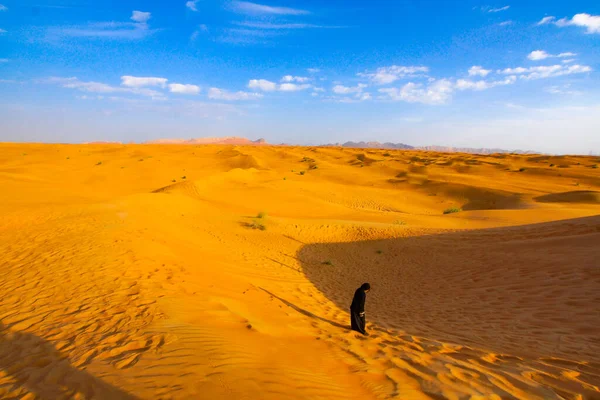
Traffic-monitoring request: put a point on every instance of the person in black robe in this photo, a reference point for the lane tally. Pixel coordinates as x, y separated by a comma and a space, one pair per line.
357, 309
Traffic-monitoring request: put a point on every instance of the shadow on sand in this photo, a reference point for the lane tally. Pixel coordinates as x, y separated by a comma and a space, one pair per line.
526, 290
307, 313
37, 367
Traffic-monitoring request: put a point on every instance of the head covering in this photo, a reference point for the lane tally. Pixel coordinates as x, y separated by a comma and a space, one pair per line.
366, 286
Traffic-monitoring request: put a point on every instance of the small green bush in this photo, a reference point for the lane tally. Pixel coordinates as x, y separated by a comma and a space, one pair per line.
257, 225
400, 222
452, 210
261, 215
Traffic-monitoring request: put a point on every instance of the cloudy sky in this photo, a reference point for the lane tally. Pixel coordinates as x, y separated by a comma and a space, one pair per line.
458, 73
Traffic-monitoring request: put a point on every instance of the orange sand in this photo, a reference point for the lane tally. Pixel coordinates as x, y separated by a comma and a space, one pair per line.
121, 279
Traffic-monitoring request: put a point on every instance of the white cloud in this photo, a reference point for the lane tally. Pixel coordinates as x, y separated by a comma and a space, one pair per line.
340, 89
106, 30
197, 32
313, 70
192, 5
4, 60
565, 89
495, 10
477, 70
2, 31
546, 20
438, 92
385, 75
184, 89
590, 22
134, 81
222, 94
318, 89
549, 71
568, 61
98, 87
292, 87
365, 96
464, 84
140, 16
274, 26
262, 84
268, 86
3, 7
537, 55
506, 23
290, 78
246, 7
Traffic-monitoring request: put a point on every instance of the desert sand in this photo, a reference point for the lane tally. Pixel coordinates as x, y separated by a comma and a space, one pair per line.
135, 271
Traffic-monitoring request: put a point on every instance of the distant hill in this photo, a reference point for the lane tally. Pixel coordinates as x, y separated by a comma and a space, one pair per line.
372, 145
471, 150
210, 140
445, 149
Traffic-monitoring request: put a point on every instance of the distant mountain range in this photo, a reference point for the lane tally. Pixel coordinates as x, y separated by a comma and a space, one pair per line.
234, 140
445, 149
210, 140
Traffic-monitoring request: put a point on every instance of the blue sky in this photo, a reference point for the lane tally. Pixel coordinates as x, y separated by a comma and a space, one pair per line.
458, 73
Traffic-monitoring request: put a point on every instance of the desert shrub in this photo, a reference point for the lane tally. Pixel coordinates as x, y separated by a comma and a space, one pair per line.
173, 180
284, 178
595, 166
302, 172
387, 155
99, 163
452, 210
400, 222
314, 166
379, 252
521, 169
261, 215
68, 158
552, 165
327, 262
306, 159
184, 177
141, 159
257, 224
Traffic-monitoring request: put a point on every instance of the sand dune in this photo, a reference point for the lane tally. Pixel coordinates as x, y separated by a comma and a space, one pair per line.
579, 196
132, 271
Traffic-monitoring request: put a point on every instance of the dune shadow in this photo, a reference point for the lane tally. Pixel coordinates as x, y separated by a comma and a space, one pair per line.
519, 290
34, 365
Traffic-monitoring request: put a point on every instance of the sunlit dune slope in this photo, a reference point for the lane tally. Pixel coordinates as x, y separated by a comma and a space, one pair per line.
143, 271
